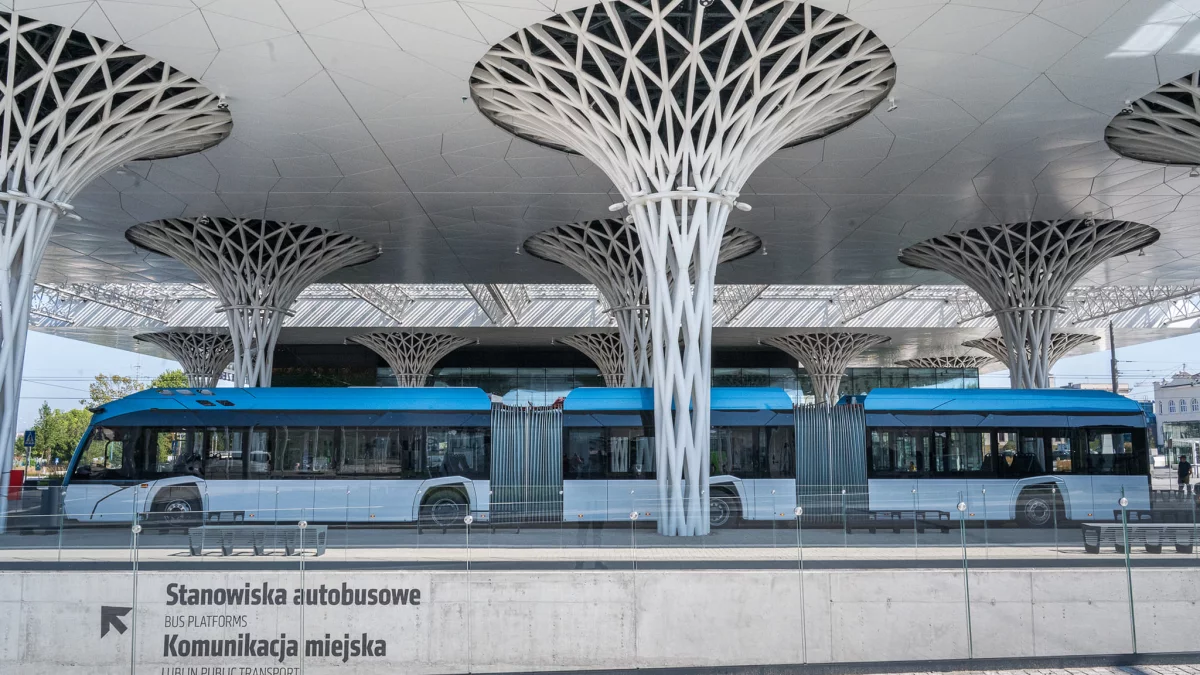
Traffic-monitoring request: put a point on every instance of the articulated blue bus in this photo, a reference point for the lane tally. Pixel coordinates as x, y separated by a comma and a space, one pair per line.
394, 455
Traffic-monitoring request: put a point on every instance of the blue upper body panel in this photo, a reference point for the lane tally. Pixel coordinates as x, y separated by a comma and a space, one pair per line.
600, 399
300, 399
999, 401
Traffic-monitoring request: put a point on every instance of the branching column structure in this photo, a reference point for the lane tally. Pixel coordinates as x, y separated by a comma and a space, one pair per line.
607, 351
72, 107
257, 268
204, 356
1024, 271
608, 253
411, 356
825, 357
1162, 127
1060, 345
946, 362
678, 103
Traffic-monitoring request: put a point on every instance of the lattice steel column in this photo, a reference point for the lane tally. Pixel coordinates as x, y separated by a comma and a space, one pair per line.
678, 103
411, 356
204, 356
947, 362
72, 107
1162, 127
1023, 271
608, 253
825, 357
607, 351
1060, 344
257, 268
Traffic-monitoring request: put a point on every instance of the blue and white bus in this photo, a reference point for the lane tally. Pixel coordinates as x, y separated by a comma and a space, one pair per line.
1024, 455
394, 455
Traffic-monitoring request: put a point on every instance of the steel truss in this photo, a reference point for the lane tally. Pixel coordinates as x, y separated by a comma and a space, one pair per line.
608, 253
257, 268
1060, 344
1024, 271
607, 351
74, 106
948, 362
856, 301
204, 356
825, 357
389, 299
1162, 127
411, 356
504, 304
1098, 302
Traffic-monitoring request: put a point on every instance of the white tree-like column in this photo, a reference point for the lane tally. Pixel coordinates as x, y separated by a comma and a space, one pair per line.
257, 268
1162, 127
607, 351
1060, 345
204, 356
72, 107
411, 356
678, 103
608, 254
946, 362
825, 357
1023, 271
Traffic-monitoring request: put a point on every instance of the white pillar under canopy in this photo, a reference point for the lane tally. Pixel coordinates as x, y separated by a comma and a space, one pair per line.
411, 356
1023, 271
73, 107
1060, 345
257, 268
947, 362
607, 351
825, 357
204, 356
608, 254
670, 102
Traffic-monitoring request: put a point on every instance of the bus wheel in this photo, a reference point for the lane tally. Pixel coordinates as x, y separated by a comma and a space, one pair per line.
1036, 507
176, 507
722, 511
445, 509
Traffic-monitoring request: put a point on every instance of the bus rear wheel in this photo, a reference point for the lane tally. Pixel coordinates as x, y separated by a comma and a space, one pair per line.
445, 508
722, 511
1039, 507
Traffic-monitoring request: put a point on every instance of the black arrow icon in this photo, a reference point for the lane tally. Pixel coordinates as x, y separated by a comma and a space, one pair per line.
111, 617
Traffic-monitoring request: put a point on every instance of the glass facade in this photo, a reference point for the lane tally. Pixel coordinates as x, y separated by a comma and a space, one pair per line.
543, 386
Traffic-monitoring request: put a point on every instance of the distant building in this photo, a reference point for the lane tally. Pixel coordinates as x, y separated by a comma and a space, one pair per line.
1122, 387
1177, 407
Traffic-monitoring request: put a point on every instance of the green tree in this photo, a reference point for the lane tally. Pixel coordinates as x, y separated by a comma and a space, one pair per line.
171, 379
58, 434
110, 388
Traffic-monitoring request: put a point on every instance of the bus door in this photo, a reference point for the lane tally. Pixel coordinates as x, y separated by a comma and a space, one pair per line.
940, 464
1118, 465
234, 458
585, 485
301, 465
630, 470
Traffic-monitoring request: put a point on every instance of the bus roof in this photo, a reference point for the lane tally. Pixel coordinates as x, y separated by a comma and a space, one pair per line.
417, 399
998, 400
595, 399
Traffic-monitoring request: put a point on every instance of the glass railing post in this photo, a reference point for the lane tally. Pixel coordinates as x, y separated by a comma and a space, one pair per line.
1124, 502
135, 530
799, 511
986, 549
633, 516
1054, 510
916, 539
962, 530
467, 521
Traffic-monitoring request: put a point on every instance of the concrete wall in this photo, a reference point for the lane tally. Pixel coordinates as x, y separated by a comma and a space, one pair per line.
50, 622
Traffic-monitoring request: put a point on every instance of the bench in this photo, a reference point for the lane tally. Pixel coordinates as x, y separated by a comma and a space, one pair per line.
163, 522
896, 520
1151, 535
257, 537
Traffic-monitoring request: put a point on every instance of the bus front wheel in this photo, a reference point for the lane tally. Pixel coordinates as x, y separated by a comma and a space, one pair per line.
1039, 507
177, 506
445, 509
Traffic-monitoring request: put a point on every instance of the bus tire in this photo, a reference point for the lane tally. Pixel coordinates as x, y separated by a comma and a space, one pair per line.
444, 508
177, 506
723, 510
1038, 507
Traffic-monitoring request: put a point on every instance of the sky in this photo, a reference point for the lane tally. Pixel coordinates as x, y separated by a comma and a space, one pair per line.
58, 370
